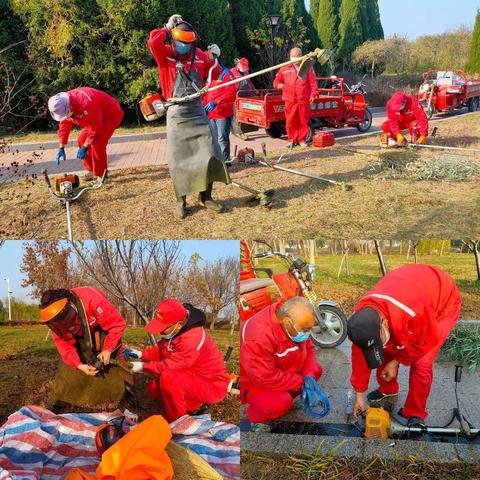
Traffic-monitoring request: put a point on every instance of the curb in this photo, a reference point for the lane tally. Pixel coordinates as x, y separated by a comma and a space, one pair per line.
359, 447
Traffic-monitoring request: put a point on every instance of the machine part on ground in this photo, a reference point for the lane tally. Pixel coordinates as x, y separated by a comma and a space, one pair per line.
275, 166
377, 423
264, 199
67, 192
323, 139
246, 155
153, 107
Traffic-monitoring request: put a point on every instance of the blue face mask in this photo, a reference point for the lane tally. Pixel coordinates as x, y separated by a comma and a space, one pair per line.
182, 48
300, 336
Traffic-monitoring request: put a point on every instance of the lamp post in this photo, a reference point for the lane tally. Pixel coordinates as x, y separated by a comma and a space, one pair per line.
9, 293
274, 20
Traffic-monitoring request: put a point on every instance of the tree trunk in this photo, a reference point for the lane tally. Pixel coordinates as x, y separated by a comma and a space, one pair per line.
476, 252
381, 260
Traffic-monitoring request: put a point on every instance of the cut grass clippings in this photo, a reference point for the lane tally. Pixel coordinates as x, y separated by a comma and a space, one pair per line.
139, 202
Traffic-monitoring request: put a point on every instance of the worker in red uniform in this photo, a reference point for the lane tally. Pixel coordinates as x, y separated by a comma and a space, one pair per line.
75, 316
98, 114
194, 159
219, 107
297, 94
276, 355
188, 365
404, 319
404, 112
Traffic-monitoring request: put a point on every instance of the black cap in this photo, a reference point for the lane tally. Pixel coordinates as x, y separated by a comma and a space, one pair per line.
363, 329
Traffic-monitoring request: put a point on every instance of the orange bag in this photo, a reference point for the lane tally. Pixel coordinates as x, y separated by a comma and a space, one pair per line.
77, 474
140, 454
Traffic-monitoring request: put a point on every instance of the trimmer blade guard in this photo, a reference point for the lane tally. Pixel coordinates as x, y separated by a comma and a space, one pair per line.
319, 55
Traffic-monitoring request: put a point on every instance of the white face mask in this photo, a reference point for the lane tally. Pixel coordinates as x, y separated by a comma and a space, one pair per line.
294, 58
387, 333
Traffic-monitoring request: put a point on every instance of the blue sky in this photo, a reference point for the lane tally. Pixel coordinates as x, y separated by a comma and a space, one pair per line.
424, 17
11, 254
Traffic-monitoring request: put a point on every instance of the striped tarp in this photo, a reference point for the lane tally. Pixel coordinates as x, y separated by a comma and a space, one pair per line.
36, 444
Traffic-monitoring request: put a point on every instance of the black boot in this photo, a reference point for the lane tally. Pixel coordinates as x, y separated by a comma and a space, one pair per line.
181, 211
205, 200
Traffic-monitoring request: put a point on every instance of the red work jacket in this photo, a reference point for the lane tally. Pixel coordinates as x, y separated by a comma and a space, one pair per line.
294, 88
246, 84
194, 351
270, 359
225, 97
415, 300
100, 313
91, 109
413, 112
167, 58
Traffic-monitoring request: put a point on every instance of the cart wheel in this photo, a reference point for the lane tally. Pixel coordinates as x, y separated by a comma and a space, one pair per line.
276, 130
472, 105
330, 329
365, 126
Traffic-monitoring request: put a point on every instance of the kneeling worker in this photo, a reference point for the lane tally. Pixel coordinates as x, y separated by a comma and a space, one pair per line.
188, 365
276, 357
404, 319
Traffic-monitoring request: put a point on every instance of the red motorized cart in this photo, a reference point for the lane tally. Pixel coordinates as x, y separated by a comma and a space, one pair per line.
336, 106
446, 90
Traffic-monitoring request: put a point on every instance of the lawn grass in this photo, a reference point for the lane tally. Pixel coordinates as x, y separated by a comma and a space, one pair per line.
257, 466
365, 272
51, 136
29, 360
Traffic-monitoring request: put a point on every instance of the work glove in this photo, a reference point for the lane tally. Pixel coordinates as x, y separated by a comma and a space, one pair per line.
60, 156
210, 106
422, 140
173, 21
313, 398
82, 153
137, 367
131, 353
214, 50
401, 140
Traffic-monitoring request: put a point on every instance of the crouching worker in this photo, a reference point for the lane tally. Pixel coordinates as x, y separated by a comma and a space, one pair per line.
87, 330
277, 360
98, 114
404, 112
188, 365
404, 319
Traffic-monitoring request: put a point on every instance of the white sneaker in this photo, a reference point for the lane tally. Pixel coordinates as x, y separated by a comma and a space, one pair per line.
88, 177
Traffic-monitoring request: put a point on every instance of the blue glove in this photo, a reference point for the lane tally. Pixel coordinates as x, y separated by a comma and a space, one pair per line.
130, 353
210, 106
60, 155
312, 398
82, 153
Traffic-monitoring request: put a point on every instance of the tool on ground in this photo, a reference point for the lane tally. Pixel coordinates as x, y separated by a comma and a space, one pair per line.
246, 155
314, 401
67, 191
443, 147
275, 166
153, 107
379, 423
264, 198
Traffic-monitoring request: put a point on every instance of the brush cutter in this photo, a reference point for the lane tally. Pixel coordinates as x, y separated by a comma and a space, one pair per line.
67, 191
275, 166
153, 107
379, 423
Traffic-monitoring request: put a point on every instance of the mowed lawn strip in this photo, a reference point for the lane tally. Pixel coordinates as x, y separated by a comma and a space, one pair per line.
384, 202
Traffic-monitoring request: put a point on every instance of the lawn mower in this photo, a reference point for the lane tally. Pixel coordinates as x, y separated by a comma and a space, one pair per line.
67, 190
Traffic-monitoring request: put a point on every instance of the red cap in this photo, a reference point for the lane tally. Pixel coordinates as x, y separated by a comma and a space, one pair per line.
397, 100
168, 312
243, 62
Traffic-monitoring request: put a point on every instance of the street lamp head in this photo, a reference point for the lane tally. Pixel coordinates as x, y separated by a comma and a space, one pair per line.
274, 19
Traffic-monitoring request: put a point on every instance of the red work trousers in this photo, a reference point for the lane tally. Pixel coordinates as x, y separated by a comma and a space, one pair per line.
267, 405
403, 126
96, 159
297, 114
421, 372
182, 392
